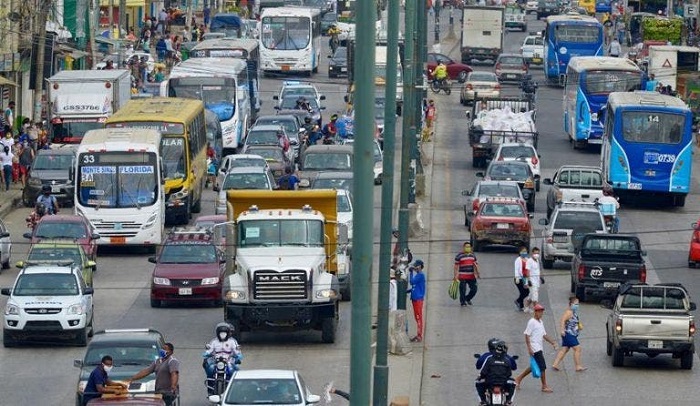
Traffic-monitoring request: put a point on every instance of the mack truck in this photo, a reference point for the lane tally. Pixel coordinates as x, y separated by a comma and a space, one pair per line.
81, 100
286, 263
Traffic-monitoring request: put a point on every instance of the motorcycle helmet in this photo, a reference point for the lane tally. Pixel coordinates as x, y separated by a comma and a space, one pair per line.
307, 120
46, 189
501, 347
40, 209
334, 117
223, 328
492, 343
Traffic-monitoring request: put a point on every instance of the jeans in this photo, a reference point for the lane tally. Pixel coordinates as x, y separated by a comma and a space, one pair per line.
463, 296
7, 173
523, 291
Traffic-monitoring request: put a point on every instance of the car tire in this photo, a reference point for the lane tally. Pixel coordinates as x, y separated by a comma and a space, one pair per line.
687, 360
691, 264
581, 293
547, 263
328, 330
537, 185
531, 206
608, 344
6, 264
475, 244
91, 332
155, 303
7, 340
618, 357
81, 337
462, 76
572, 287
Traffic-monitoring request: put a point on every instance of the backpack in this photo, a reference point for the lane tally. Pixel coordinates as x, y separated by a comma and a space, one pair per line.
285, 182
497, 369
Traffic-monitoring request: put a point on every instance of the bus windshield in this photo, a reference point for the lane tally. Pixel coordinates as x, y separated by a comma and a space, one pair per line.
275, 233
286, 33
173, 153
605, 82
581, 34
652, 127
117, 179
217, 94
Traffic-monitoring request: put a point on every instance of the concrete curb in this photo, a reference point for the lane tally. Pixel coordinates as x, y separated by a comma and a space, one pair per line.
11, 203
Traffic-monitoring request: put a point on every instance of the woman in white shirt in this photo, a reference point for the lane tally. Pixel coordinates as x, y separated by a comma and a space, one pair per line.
6, 157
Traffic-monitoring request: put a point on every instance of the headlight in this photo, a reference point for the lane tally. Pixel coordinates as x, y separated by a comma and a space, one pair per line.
326, 294
235, 295
75, 309
161, 281
150, 222
210, 281
11, 309
81, 386
181, 195
34, 182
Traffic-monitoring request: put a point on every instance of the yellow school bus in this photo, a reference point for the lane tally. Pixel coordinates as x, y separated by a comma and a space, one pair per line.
183, 148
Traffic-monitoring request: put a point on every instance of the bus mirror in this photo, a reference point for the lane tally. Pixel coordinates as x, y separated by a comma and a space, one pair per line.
240, 94
71, 173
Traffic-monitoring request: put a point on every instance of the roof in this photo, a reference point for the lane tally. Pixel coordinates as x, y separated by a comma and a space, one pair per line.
499, 182
335, 175
265, 374
246, 169
158, 108
639, 98
580, 63
135, 334
679, 48
208, 66
188, 234
64, 149
89, 75
244, 156
56, 243
63, 218
287, 11
36, 269
573, 17
127, 138
226, 44
577, 206
499, 199
348, 149
265, 127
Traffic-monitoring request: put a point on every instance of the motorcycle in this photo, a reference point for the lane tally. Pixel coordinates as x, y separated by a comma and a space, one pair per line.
529, 89
223, 369
496, 394
444, 85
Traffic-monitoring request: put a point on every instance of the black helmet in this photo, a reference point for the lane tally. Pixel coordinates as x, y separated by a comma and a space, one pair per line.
46, 189
224, 327
501, 347
40, 209
492, 342
307, 120
334, 117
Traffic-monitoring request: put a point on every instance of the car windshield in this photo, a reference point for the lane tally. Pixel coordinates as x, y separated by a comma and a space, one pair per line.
46, 285
482, 77
339, 161
263, 392
246, 181
297, 91
188, 253
341, 53
52, 162
499, 191
270, 233
344, 204
517, 152
568, 220
270, 154
329, 183
55, 254
123, 354
60, 230
502, 210
509, 171
262, 137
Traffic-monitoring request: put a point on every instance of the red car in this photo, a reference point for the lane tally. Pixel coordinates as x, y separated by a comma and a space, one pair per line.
66, 227
694, 252
501, 220
189, 268
455, 70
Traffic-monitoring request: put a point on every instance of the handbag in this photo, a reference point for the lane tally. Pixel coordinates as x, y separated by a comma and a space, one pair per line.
580, 326
536, 373
453, 290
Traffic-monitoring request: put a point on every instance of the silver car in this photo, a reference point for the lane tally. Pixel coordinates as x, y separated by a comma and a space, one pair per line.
485, 189
510, 67
246, 178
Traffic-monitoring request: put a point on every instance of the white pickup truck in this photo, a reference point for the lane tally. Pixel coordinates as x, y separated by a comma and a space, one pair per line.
653, 320
574, 183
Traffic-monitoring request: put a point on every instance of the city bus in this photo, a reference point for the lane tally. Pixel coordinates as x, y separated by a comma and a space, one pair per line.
647, 146
118, 186
245, 49
183, 148
222, 84
568, 35
589, 81
290, 40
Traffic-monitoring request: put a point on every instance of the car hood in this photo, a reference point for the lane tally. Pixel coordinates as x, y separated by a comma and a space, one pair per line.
45, 301
50, 174
262, 257
187, 271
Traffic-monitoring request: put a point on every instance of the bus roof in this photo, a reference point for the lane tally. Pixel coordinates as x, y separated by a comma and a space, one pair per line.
582, 63
290, 11
636, 98
158, 109
209, 66
227, 43
124, 138
572, 17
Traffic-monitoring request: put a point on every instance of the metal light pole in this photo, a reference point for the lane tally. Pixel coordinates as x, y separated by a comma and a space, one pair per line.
363, 161
381, 368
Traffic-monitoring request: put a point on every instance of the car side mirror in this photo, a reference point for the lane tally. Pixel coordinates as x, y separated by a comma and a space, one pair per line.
479, 174
547, 181
530, 215
78, 363
644, 253
543, 222
323, 97
88, 291
6, 291
5, 234
27, 236
277, 107
515, 357
310, 399
215, 188
693, 307
466, 193
477, 356
95, 236
214, 399
468, 114
152, 260
330, 56
322, 108
91, 264
275, 97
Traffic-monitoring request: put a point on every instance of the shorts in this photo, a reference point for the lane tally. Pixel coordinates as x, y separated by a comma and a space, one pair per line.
535, 292
569, 340
23, 170
539, 358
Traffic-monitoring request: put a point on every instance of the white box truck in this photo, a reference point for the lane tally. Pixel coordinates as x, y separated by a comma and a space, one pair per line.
667, 61
81, 100
482, 33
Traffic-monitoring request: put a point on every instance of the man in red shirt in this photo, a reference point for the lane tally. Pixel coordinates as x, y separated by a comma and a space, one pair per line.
466, 272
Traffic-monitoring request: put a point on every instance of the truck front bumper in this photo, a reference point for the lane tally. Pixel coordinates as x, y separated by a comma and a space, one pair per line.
275, 316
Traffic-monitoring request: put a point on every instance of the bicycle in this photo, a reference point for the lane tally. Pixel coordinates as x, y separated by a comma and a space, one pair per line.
441, 84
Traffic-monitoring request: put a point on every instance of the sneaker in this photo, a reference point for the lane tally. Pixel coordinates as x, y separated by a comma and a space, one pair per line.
463, 304
469, 302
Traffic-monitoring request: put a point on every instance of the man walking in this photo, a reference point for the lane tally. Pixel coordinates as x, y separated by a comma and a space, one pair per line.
466, 270
533, 276
167, 370
417, 291
535, 335
521, 279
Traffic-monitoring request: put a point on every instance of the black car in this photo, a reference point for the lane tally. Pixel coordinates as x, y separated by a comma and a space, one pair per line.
51, 167
546, 8
338, 65
517, 171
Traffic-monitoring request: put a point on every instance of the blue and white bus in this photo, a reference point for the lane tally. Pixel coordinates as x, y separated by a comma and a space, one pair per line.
589, 81
566, 36
290, 40
222, 84
647, 146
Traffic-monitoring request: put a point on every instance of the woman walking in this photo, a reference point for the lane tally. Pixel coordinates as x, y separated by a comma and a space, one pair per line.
570, 326
6, 160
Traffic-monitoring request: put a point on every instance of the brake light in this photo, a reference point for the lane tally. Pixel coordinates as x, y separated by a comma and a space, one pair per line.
535, 160
475, 205
643, 273
478, 225
524, 226
691, 328
581, 272
618, 326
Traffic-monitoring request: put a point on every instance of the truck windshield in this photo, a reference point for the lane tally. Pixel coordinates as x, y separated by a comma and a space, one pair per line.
46, 285
274, 233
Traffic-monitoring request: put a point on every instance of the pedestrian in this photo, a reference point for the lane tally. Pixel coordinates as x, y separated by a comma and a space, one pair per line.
535, 335
288, 181
207, 15
417, 291
397, 253
521, 278
99, 382
430, 113
26, 158
162, 21
466, 271
615, 48
570, 327
535, 280
393, 290
167, 370
10, 114
652, 83
6, 157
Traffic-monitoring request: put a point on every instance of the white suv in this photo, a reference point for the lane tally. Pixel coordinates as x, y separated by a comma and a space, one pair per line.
48, 300
570, 221
266, 387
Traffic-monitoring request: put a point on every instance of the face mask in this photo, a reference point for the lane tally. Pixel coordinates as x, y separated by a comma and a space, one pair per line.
574, 307
162, 353
222, 336
523, 254
107, 367
467, 250
536, 256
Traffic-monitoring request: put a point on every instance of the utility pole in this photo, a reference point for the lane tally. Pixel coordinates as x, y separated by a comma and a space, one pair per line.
381, 368
40, 31
110, 15
363, 162
123, 24
91, 34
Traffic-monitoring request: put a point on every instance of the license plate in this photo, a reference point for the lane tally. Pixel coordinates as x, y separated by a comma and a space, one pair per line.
55, 189
634, 186
184, 291
343, 69
611, 284
285, 67
117, 240
657, 344
510, 76
561, 238
502, 226
496, 398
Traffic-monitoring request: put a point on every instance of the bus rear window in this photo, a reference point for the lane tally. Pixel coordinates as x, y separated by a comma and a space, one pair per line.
583, 34
652, 127
604, 82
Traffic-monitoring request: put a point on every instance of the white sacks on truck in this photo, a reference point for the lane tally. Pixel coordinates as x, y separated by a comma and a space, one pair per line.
505, 120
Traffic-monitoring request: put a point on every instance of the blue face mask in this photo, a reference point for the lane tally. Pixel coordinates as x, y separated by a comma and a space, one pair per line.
574, 307
523, 254
162, 353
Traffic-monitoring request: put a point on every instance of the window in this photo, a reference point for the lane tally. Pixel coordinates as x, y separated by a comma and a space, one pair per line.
581, 178
604, 82
586, 34
46, 285
568, 220
652, 127
187, 253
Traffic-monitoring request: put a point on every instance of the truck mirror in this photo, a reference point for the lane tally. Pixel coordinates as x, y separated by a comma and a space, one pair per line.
342, 234
547, 181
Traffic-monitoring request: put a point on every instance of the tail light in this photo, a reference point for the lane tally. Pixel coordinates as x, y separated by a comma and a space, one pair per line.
475, 205
581, 272
497, 86
496, 390
469, 86
478, 225
535, 160
618, 326
559, 196
643, 273
529, 184
691, 328
498, 68
524, 226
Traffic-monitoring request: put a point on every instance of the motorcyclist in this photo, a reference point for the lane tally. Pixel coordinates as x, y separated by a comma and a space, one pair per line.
312, 131
36, 215
608, 205
528, 86
495, 368
334, 33
440, 73
222, 345
48, 200
303, 104
330, 130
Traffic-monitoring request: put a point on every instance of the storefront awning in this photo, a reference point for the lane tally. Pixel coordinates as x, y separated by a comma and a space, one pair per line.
129, 3
75, 53
6, 82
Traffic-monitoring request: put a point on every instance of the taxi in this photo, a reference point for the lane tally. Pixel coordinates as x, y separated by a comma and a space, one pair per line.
503, 221
60, 251
69, 227
533, 48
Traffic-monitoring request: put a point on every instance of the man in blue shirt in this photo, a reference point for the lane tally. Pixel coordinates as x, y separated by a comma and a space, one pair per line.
417, 291
99, 380
652, 83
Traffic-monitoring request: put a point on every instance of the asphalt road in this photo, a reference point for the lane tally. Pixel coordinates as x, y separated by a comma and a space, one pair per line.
453, 334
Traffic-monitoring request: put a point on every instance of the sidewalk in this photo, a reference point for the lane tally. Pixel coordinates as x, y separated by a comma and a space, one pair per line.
10, 200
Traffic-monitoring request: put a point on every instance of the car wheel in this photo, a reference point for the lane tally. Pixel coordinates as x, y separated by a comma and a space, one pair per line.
91, 332
531, 206
537, 185
581, 293
462, 76
691, 264
475, 244
6, 264
608, 344
618, 357
81, 337
687, 360
572, 287
328, 330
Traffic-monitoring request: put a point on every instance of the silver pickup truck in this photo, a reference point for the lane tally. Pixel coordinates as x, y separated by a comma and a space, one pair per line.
574, 183
652, 319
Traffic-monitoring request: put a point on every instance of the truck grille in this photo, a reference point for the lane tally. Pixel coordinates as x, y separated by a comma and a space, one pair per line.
117, 228
281, 286
186, 282
42, 311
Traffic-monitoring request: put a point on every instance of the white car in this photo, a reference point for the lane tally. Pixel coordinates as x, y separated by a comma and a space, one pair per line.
378, 155
5, 246
515, 151
245, 178
298, 88
237, 161
533, 49
345, 210
531, 6
266, 387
